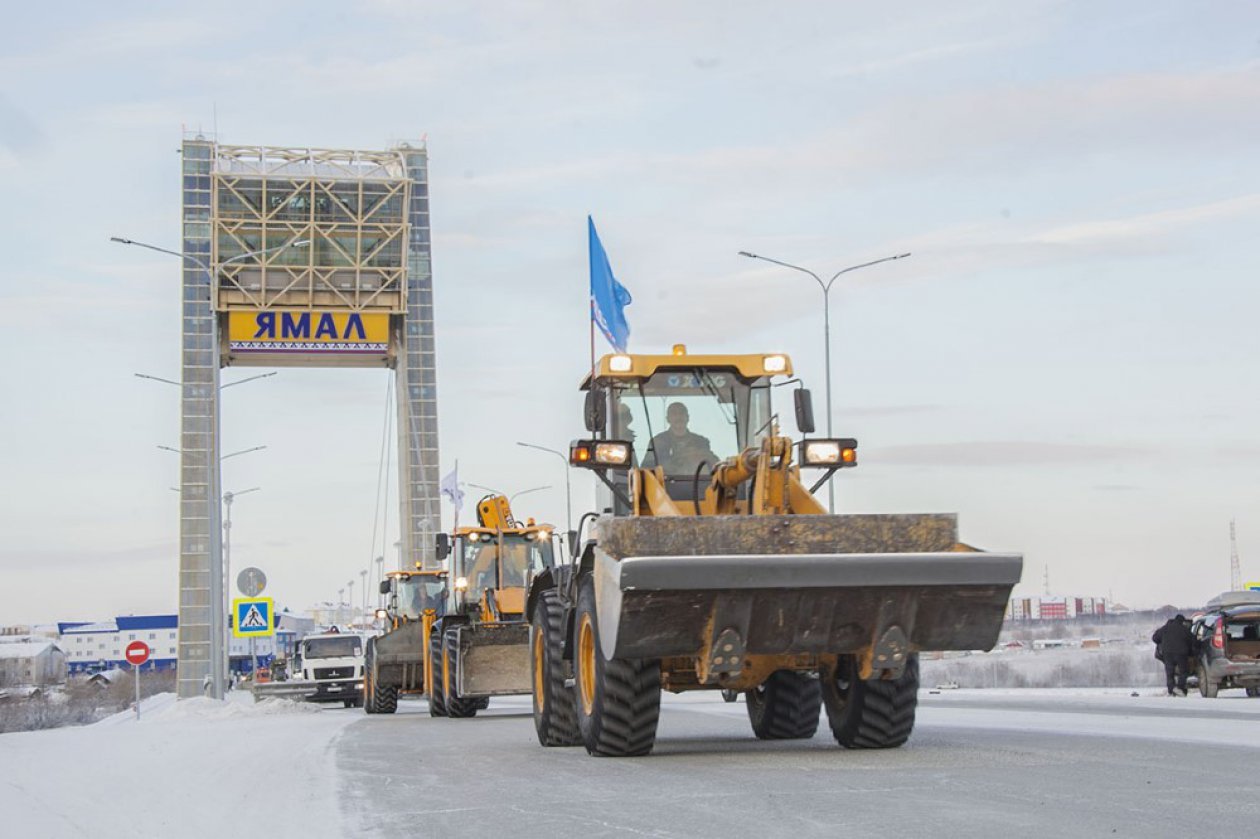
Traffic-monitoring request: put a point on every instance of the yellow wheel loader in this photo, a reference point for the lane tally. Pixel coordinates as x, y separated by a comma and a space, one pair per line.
394, 661
478, 647
713, 567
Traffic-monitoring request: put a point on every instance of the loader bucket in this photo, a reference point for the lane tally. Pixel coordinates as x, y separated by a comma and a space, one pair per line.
400, 657
493, 659
779, 585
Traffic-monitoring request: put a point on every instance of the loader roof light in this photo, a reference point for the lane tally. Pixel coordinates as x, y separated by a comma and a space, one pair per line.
621, 364
461, 584
474, 537
775, 363
601, 454
680, 349
833, 453
580, 454
381, 614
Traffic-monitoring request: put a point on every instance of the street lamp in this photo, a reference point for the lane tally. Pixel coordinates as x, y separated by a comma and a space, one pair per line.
380, 576
350, 600
568, 489
363, 580
510, 497
826, 290
217, 615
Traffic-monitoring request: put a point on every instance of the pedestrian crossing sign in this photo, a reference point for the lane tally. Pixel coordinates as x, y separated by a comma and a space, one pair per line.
1252, 586
252, 617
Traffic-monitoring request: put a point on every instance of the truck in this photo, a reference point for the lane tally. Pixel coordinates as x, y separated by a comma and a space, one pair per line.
478, 647
710, 565
330, 670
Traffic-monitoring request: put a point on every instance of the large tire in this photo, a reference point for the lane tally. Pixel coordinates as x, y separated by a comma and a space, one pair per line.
871, 714
555, 715
456, 706
618, 701
1207, 688
785, 706
437, 701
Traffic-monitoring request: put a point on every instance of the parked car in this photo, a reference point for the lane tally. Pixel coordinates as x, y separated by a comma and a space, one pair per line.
1228, 637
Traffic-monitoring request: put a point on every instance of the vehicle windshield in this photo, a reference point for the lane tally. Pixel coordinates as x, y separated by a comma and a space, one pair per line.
419, 592
347, 646
683, 418
524, 556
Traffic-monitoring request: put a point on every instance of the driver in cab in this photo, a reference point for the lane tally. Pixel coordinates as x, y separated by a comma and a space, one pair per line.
678, 449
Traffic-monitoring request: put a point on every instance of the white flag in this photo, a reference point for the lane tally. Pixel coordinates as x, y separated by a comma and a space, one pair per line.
450, 489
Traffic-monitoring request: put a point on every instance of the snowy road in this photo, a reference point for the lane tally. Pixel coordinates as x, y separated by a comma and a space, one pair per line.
981, 763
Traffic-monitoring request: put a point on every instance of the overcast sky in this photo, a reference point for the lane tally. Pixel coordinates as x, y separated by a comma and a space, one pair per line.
1067, 361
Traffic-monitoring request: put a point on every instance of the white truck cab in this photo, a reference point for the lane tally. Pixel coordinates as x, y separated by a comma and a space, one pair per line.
333, 661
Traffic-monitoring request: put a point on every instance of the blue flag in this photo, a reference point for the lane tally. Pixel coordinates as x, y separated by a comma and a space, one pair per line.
609, 298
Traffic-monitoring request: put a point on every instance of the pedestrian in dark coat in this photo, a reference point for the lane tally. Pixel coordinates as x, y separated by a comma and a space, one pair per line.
1174, 645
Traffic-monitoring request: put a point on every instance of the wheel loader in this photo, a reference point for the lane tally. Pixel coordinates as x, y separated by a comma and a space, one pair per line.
713, 567
479, 646
394, 662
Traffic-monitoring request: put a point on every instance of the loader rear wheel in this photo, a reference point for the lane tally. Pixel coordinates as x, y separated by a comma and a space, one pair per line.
437, 701
456, 705
555, 717
619, 701
870, 714
383, 697
369, 681
785, 706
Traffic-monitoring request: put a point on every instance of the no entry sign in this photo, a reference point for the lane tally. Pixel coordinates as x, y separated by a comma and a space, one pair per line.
137, 653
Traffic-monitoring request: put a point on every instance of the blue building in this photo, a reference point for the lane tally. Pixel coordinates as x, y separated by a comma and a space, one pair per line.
93, 647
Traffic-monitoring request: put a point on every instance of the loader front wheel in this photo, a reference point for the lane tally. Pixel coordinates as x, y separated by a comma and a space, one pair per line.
555, 718
872, 713
437, 701
618, 701
456, 705
369, 679
785, 706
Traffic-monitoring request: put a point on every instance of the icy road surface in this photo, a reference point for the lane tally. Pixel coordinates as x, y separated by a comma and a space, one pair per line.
981, 763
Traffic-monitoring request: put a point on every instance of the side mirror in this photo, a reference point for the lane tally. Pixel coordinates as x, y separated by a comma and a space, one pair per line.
442, 546
804, 410
385, 586
596, 411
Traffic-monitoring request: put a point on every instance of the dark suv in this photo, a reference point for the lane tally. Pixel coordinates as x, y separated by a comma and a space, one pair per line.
1228, 636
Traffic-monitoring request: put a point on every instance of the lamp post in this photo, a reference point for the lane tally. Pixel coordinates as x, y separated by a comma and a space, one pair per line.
363, 580
568, 489
380, 576
350, 600
341, 599
511, 497
217, 617
826, 290
228, 498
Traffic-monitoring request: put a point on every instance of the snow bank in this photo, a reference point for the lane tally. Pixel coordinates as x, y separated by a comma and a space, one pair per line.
199, 767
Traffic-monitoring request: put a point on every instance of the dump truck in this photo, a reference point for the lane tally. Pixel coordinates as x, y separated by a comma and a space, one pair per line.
479, 646
711, 566
394, 662
331, 671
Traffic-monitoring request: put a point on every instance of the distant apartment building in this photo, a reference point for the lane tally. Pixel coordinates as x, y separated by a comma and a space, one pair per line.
30, 661
92, 647
1055, 608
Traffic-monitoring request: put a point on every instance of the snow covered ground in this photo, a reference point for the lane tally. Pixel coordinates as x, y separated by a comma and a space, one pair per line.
204, 768
189, 769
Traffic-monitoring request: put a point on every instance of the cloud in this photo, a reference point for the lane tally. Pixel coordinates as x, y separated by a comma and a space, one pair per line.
1002, 453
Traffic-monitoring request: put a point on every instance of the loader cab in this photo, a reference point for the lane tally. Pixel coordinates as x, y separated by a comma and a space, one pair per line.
684, 413
502, 563
411, 593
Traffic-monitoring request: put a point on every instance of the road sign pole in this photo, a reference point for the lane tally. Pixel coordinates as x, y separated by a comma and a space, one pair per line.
136, 667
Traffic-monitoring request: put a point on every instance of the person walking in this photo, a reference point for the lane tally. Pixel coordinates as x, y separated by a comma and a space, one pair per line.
1174, 645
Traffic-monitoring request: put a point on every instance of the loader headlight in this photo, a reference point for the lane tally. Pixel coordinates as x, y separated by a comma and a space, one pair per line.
621, 364
381, 614
830, 453
775, 364
600, 454
461, 584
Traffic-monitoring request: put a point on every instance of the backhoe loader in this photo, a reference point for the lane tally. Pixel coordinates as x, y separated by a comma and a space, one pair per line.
478, 647
394, 662
713, 567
